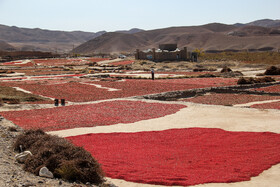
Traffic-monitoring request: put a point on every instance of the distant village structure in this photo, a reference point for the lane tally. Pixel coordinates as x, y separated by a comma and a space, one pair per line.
166, 52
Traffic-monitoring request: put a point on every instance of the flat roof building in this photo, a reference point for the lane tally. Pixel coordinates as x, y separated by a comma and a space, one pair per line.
166, 52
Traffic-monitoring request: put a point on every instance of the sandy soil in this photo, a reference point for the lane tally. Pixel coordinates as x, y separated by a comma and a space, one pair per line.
99, 86
13, 75
247, 72
109, 61
256, 102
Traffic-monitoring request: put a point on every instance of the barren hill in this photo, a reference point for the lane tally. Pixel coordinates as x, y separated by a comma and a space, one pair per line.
265, 23
44, 40
210, 37
131, 31
262, 23
257, 35
4, 46
26, 39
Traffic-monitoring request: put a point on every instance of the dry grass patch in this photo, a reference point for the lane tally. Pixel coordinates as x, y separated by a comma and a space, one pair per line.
248, 57
13, 96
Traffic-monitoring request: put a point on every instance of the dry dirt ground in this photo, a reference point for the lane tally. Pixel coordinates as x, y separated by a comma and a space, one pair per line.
237, 118
11, 173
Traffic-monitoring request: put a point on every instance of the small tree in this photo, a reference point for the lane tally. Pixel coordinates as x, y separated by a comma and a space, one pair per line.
200, 52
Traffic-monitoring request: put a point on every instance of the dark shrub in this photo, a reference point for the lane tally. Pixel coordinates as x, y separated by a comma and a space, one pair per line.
206, 75
199, 69
12, 129
32, 99
226, 70
272, 70
265, 79
61, 157
251, 80
12, 101
242, 80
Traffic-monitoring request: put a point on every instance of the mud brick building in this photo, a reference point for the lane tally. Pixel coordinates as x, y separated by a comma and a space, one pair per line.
166, 52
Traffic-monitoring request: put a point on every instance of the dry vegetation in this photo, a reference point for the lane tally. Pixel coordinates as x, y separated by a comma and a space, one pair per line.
146, 65
251, 80
249, 57
65, 160
273, 70
13, 96
212, 61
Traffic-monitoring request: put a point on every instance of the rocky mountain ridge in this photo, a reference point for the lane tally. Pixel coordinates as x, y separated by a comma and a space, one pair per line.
261, 34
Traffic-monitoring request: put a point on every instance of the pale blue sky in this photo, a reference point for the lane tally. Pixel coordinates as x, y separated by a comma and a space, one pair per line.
112, 15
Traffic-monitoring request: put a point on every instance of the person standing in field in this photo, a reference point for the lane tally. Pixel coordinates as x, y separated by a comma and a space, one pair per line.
153, 74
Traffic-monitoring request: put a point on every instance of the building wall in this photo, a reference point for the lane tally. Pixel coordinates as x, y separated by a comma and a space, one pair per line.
169, 47
182, 55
